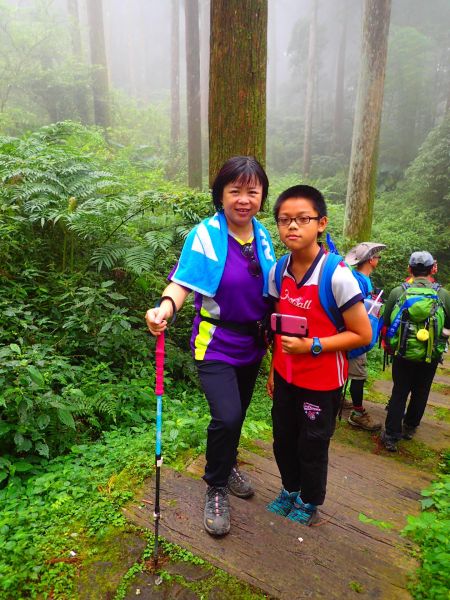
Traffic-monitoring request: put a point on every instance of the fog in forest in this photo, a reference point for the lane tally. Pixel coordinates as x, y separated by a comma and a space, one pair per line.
47, 70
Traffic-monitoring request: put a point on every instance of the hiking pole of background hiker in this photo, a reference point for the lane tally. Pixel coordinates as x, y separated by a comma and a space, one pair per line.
159, 391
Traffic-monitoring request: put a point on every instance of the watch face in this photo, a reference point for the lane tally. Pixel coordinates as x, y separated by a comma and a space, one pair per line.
316, 348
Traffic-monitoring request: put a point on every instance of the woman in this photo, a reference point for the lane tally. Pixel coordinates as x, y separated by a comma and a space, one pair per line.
225, 260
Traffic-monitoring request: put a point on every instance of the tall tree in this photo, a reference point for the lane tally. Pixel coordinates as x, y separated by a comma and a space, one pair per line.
310, 81
204, 73
364, 155
100, 83
272, 59
80, 96
338, 117
175, 75
237, 81
193, 94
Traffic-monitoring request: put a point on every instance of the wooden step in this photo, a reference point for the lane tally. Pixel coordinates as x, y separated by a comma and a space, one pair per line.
286, 560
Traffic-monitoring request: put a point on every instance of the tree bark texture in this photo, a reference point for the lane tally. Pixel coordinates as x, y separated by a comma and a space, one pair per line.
175, 75
100, 83
363, 162
193, 94
310, 81
237, 81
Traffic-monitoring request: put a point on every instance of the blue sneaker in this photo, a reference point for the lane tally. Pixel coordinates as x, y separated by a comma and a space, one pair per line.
306, 514
283, 503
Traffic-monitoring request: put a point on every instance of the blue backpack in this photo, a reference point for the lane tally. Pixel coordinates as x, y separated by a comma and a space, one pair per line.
328, 301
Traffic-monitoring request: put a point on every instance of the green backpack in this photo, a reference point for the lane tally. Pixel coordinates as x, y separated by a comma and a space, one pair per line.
417, 321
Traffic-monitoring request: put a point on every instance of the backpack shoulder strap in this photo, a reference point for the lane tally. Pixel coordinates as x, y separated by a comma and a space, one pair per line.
279, 270
326, 295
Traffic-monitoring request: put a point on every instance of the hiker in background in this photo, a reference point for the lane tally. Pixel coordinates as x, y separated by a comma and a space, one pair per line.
307, 373
226, 261
364, 258
417, 318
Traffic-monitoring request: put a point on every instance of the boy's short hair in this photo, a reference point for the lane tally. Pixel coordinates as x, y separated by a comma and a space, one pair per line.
421, 270
242, 169
302, 191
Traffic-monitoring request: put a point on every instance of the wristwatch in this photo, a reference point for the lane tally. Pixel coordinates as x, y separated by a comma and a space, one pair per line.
316, 347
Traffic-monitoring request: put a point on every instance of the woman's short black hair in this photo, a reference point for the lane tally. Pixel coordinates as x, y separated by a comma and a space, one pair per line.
302, 191
242, 169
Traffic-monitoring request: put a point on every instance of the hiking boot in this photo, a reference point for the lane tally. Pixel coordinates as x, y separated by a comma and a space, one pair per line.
306, 514
283, 503
388, 442
363, 420
216, 517
408, 432
239, 484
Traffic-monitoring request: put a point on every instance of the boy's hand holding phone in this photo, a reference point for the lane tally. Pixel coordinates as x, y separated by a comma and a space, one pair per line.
292, 345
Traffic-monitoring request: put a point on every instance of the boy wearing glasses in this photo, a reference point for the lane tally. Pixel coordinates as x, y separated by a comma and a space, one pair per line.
364, 258
308, 373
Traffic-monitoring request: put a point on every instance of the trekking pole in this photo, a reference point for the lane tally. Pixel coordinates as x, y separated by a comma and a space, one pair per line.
159, 391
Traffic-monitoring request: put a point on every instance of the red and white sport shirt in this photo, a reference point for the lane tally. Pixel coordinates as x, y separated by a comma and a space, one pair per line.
328, 370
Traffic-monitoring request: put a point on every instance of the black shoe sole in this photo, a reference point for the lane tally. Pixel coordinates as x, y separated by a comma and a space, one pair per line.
244, 496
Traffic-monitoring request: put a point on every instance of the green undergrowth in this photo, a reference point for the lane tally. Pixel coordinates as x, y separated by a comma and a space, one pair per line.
56, 505
431, 531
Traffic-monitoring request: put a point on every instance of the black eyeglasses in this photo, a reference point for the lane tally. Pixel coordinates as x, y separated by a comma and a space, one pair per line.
286, 221
254, 268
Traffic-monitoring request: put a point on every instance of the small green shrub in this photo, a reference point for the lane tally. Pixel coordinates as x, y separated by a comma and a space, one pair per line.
431, 530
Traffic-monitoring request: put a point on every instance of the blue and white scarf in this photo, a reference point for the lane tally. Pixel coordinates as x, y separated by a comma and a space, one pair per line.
204, 254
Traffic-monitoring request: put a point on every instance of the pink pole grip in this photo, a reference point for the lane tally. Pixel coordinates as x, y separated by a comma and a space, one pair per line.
159, 388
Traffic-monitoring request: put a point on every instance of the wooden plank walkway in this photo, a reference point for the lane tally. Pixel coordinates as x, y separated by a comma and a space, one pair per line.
286, 560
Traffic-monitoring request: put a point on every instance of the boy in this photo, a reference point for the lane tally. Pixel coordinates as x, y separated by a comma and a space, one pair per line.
365, 258
308, 373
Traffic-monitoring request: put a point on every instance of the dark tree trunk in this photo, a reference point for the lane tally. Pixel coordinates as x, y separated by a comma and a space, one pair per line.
100, 84
338, 120
310, 81
80, 94
237, 81
363, 162
193, 94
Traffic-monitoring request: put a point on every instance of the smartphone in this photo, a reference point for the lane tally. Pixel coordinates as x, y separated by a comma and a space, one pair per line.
289, 325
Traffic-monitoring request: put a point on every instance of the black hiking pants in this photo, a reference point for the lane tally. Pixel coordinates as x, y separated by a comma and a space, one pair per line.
303, 423
228, 390
408, 377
